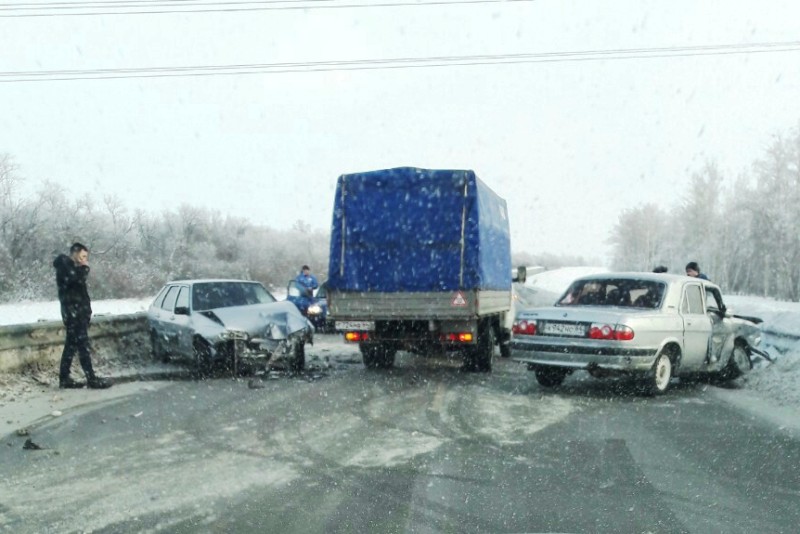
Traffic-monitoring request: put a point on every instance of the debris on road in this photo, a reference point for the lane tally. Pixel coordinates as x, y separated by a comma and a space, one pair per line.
23, 432
29, 445
255, 383
56, 413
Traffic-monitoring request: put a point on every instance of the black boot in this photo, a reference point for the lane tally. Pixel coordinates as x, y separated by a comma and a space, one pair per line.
69, 383
97, 382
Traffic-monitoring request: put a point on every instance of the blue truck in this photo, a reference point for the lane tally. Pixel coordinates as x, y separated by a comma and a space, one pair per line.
420, 260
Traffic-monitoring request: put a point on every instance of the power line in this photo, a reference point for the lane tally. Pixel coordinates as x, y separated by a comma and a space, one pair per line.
398, 63
159, 7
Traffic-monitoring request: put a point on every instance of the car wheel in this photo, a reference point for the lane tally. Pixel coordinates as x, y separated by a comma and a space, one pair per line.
202, 359
298, 358
739, 364
157, 350
658, 378
550, 376
505, 349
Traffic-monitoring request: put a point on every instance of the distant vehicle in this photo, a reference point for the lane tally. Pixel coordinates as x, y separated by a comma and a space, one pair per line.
315, 308
654, 326
420, 260
226, 322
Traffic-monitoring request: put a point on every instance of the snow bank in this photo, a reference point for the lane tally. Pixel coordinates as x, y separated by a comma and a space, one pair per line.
779, 382
779, 316
34, 312
557, 280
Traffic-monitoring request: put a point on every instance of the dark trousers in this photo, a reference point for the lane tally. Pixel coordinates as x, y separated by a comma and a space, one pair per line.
77, 341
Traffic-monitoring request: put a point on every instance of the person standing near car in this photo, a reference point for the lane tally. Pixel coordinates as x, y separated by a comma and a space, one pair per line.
307, 282
76, 312
693, 270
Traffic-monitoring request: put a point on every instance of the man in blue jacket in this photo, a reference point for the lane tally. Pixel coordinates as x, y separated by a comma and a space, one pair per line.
307, 282
76, 312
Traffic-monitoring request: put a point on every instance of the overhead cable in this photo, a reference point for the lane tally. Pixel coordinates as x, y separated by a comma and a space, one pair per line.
399, 63
158, 7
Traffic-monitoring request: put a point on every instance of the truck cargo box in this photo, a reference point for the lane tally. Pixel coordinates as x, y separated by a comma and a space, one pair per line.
409, 230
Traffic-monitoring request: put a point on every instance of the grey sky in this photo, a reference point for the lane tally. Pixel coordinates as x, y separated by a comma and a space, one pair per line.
568, 144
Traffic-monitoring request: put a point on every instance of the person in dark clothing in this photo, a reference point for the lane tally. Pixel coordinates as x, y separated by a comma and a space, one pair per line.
693, 270
76, 312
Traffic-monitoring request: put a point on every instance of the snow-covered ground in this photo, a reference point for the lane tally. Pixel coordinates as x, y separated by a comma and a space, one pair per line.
778, 382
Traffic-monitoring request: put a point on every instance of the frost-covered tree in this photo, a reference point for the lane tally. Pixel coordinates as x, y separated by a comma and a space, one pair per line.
640, 239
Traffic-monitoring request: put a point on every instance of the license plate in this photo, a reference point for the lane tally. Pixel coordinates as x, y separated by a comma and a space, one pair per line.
564, 329
355, 325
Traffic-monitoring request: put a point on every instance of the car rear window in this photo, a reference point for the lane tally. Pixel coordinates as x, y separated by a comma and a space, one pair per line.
625, 292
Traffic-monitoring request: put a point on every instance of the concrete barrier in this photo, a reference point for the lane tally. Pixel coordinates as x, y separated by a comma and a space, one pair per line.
113, 338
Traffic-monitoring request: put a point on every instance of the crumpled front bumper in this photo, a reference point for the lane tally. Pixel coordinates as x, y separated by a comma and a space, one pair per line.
274, 342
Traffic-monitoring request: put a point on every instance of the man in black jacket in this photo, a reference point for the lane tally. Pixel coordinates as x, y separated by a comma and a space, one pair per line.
76, 312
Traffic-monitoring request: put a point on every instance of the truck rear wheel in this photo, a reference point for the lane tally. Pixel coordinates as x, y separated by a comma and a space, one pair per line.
479, 357
378, 356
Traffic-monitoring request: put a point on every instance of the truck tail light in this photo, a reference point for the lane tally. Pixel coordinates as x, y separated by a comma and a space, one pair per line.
618, 332
524, 327
458, 337
355, 337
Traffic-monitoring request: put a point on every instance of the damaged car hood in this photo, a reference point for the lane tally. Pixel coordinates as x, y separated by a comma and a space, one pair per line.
254, 318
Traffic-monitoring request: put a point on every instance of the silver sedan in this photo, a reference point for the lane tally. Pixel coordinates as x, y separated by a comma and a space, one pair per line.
226, 322
654, 326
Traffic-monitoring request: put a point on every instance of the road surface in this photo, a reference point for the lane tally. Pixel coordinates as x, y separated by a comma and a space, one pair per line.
423, 448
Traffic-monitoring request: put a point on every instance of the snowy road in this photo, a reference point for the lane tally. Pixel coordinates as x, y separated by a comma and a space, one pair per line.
424, 448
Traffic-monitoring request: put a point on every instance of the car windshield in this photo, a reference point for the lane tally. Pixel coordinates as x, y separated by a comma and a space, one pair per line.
614, 292
212, 295
322, 292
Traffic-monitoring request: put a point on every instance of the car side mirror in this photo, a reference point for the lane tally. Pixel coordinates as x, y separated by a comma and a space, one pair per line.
182, 310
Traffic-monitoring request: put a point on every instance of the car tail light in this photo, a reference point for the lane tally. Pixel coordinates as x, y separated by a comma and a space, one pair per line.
623, 333
524, 328
618, 332
601, 331
355, 337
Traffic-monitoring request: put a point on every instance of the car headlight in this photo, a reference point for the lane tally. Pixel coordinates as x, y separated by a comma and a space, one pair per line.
315, 309
234, 334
